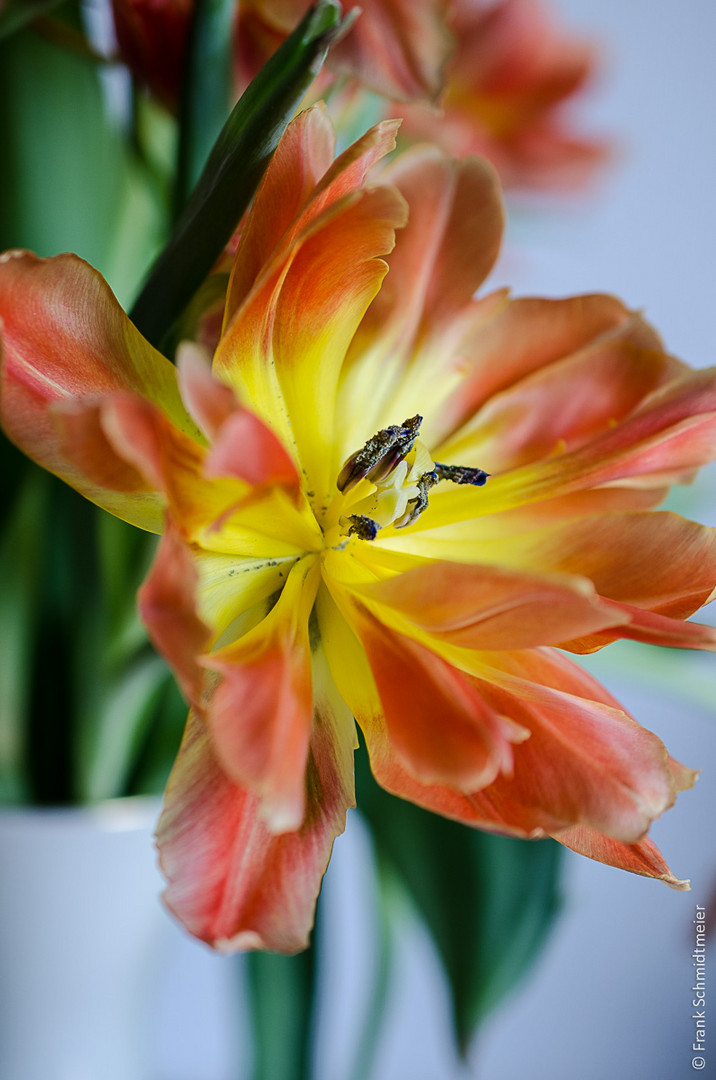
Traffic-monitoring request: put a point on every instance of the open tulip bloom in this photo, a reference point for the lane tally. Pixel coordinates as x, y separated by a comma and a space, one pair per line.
385, 502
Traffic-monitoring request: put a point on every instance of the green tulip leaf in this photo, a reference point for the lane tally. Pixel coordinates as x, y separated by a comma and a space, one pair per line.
487, 901
282, 994
206, 91
233, 171
15, 14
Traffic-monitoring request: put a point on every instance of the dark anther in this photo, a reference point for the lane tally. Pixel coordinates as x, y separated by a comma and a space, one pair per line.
363, 527
461, 474
380, 455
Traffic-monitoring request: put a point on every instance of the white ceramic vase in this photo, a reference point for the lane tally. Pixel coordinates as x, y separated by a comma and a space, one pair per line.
80, 926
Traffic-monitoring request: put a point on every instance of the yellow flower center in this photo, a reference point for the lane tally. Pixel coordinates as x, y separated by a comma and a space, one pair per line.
387, 482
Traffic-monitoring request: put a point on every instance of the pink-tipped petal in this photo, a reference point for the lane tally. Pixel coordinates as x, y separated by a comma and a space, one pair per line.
303, 165
247, 449
643, 858
232, 882
487, 607
64, 338
260, 721
396, 47
84, 442
167, 604
443, 731
529, 335
261, 714
444, 253
586, 761
208, 401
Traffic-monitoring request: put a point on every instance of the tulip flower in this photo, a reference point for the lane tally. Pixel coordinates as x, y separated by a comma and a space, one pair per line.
384, 502
396, 47
153, 39
513, 71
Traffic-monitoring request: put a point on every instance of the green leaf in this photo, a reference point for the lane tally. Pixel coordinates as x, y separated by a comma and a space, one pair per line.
206, 90
111, 738
160, 739
63, 163
61, 664
14, 14
282, 999
19, 551
233, 171
487, 901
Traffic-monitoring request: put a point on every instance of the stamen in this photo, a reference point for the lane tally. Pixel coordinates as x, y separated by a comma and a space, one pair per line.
363, 527
461, 474
392, 461
416, 506
380, 454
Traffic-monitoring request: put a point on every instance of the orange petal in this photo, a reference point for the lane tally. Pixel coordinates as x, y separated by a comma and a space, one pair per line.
441, 728
208, 401
302, 158
396, 47
247, 449
301, 183
643, 858
355, 681
671, 435
486, 607
655, 560
586, 760
284, 349
168, 607
300, 285
652, 562
261, 714
415, 328
528, 335
232, 882
516, 47
451, 241
652, 629
544, 157
562, 406
65, 339
511, 71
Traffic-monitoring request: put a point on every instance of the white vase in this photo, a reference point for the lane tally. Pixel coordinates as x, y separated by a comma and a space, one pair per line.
80, 923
